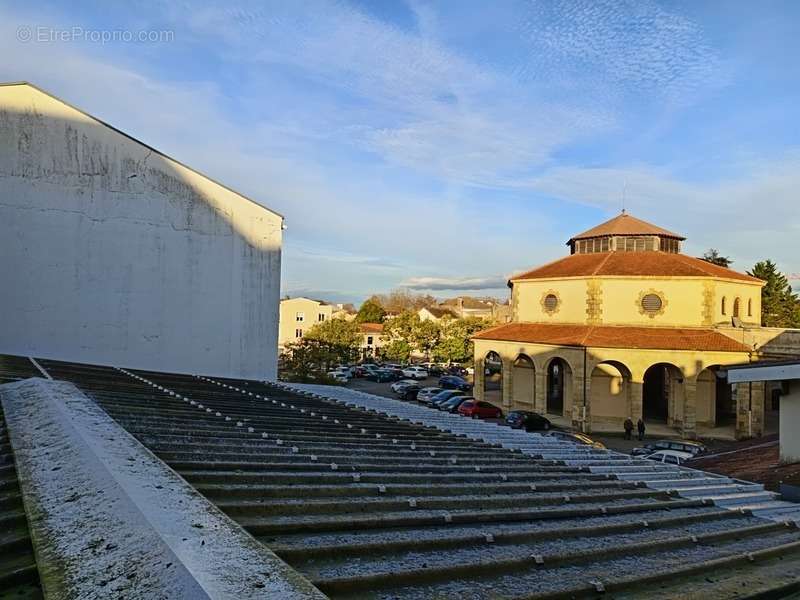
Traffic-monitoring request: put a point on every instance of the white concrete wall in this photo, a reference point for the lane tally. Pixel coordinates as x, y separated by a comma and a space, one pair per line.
789, 428
115, 254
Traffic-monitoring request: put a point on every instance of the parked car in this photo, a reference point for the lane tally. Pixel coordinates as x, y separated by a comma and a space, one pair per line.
527, 420
456, 370
577, 438
398, 386
381, 376
346, 371
444, 396
671, 457
426, 394
453, 403
453, 382
409, 393
338, 376
434, 370
477, 409
415, 372
690, 446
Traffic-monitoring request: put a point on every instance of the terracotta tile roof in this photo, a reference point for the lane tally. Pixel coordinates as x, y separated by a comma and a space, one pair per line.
637, 264
612, 336
625, 224
371, 327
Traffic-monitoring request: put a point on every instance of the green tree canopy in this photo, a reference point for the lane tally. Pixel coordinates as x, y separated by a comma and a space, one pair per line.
713, 256
337, 332
780, 306
454, 344
370, 312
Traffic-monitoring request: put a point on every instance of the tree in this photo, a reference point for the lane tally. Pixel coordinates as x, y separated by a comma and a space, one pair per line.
425, 335
402, 299
400, 333
309, 360
713, 256
338, 333
780, 306
370, 312
455, 344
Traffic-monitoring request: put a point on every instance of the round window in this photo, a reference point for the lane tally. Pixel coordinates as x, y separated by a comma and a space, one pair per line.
651, 303
550, 302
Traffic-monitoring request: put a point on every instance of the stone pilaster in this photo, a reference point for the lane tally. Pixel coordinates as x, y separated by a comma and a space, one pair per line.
708, 303
594, 302
636, 399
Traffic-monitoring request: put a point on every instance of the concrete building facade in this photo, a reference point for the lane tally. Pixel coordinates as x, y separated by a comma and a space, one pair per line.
117, 254
627, 327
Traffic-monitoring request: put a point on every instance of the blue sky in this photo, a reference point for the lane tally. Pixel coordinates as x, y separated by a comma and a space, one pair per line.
443, 146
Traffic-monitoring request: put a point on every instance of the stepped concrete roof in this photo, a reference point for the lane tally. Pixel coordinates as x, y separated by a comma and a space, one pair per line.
612, 336
371, 496
625, 224
632, 264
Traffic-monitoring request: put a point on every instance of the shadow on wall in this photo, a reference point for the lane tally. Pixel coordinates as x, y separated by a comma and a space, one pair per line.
113, 253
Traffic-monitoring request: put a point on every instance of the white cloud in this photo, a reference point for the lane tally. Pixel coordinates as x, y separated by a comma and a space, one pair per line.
454, 283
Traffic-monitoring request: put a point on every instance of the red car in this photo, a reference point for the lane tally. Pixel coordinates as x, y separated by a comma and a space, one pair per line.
479, 410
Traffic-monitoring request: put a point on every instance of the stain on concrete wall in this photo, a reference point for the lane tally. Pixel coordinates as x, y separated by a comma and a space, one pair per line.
113, 253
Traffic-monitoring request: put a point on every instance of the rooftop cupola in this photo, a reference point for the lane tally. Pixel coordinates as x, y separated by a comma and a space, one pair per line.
625, 233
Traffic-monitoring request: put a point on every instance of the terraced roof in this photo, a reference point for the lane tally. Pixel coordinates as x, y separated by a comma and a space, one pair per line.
19, 576
613, 336
625, 224
368, 505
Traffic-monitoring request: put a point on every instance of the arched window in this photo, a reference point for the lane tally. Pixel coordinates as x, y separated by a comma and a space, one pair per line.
750, 307
736, 308
724, 306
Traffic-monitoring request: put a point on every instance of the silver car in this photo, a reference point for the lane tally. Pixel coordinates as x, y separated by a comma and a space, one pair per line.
426, 393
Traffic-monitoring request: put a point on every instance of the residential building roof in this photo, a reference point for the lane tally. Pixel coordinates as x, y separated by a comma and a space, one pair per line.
636, 264
468, 302
611, 336
439, 312
625, 224
371, 327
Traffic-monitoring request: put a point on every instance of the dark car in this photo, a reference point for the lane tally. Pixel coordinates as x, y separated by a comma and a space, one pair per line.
479, 410
410, 392
444, 396
453, 382
690, 446
453, 403
381, 376
527, 420
457, 370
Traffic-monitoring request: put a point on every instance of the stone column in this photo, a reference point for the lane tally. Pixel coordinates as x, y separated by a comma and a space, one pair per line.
757, 407
507, 389
540, 391
478, 379
636, 398
689, 429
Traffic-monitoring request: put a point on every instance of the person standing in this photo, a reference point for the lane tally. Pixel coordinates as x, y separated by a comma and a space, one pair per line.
628, 425
641, 428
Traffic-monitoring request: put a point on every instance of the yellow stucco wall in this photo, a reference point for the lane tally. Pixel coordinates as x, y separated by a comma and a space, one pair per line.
688, 301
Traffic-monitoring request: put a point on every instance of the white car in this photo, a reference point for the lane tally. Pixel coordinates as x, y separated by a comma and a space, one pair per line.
339, 376
670, 457
415, 372
398, 385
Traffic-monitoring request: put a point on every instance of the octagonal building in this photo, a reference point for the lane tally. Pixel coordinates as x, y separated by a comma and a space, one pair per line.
627, 326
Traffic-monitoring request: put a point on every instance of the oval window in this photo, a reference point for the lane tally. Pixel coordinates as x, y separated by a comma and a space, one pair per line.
550, 302
651, 303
